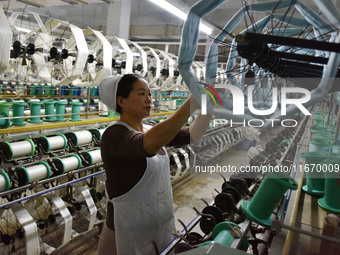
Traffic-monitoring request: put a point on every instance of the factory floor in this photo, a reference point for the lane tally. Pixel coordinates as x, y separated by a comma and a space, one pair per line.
202, 187
309, 217
186, 197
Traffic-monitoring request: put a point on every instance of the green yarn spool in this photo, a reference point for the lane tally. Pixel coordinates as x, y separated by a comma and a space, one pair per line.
320, 144
47, 90
315, 181
336, 149
35, 111
92, 91
60, 109
76, 109
266, 198
331, 200
53, 91
32, 90
49, 110
318, 120
4, 107
221, 234
39, 90
4, 112
4, 123
18, 111
111, 114
318, 128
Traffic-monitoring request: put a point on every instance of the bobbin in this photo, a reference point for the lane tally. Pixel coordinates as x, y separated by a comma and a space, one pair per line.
29, 174
47, 90
98, 133
52, 143
35, 111
315, 181
76, 111
73, 162
260, 208
79, 138
330, 202
103, 109
91, 157
60, 109
4, 107
49, 110
13, 150
18, 111
5, 182
4, 123
223, 233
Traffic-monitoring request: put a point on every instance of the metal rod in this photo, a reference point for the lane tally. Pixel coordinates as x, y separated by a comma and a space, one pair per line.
290, 41
44, 181
312, 234
307, 58
292, 141
19, 97
87, 101
50, 190
289, 237
330, 108
245, 228
50, 115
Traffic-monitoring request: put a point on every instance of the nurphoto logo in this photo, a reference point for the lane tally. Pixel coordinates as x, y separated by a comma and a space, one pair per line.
239, 98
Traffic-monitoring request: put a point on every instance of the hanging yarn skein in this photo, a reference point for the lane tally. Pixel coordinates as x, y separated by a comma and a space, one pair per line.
5, 42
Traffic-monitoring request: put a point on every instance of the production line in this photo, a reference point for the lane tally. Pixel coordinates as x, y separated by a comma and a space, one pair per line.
52, 120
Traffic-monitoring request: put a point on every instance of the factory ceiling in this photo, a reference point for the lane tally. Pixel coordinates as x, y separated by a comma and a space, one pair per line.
148, 22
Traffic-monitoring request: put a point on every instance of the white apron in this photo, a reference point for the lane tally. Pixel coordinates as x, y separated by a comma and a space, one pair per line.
145, 213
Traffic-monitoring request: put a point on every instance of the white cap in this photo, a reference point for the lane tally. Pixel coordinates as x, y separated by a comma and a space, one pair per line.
108, 91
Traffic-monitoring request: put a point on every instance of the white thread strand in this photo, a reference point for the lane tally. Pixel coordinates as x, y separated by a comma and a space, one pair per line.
96, 156
23, 148
37, 172
56, 142
83, 137
102, 131
2, 183
70, 163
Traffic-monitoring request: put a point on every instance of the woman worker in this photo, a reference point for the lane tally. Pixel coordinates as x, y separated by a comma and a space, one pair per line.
140, 215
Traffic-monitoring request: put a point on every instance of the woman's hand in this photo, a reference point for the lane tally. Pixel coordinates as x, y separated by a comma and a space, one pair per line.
194, 104
162, 133
198, 128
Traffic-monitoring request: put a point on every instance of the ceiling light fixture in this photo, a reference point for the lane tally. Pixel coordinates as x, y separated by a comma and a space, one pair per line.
25, 30
80, 1
180, 14
31, 3
69, 1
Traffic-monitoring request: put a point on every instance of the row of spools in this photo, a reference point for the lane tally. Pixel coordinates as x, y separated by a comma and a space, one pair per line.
70, 159
46, 90
322, 164
53, 110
